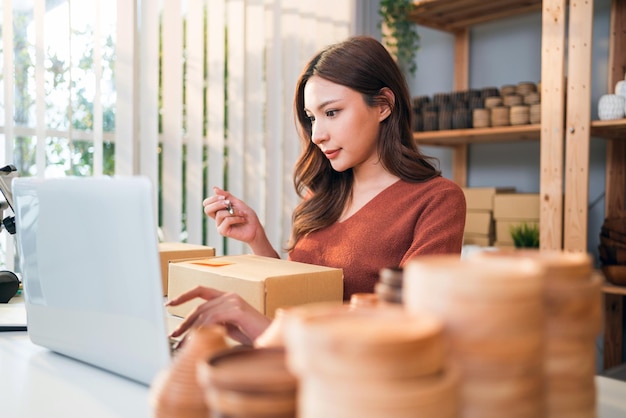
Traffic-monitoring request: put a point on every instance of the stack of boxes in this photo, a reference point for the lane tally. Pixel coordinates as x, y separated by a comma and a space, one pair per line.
266, 283
511, 210
172, 251
479, 221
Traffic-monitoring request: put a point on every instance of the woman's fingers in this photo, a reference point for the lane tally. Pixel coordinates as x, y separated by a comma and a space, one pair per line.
242, 322
202, 292
215, 204
195, 318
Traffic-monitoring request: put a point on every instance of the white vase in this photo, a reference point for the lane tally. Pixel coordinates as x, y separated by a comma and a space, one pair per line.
620, 88
611, 106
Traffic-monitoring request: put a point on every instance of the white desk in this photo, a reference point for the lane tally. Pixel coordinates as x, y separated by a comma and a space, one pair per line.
35, 383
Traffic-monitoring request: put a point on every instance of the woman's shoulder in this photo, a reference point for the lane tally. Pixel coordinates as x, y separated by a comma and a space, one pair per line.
438, 191
433, 185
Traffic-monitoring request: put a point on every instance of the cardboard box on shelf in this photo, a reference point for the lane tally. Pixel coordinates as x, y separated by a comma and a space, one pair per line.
503, 229
265, 283
171, 251
479, 222
505, 245
515, 206
477, 239
481, 198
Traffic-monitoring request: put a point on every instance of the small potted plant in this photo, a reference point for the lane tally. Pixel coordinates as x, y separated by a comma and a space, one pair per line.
525, 235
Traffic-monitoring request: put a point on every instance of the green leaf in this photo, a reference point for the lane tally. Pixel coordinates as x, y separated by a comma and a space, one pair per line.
525, 235
402, 39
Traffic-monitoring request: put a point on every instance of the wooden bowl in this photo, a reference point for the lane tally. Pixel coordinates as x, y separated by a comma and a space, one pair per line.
615, 274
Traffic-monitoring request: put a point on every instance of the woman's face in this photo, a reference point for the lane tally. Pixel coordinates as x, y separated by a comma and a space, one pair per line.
343, 126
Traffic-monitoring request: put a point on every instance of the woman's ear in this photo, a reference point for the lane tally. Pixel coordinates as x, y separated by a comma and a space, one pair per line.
388, 99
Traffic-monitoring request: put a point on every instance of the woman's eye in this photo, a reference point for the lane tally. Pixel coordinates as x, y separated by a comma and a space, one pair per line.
331, 113
311, 118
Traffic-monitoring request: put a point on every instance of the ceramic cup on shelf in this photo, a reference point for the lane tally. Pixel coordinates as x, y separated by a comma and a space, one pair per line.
611, 106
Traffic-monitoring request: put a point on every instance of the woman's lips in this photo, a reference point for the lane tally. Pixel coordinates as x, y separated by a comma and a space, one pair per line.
331, 154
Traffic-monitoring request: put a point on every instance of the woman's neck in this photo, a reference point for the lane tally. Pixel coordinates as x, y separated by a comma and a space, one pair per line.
365, 186
371, 178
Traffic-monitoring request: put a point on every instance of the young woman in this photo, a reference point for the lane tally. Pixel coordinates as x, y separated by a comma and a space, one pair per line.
370, 199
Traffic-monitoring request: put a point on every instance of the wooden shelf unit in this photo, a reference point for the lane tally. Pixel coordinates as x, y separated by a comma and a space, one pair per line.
457, 17
565, 129
615, 188
454, 15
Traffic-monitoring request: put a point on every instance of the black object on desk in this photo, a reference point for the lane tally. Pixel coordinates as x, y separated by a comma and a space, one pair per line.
9, 283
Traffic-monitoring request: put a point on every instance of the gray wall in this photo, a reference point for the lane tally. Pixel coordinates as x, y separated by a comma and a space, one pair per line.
503, 52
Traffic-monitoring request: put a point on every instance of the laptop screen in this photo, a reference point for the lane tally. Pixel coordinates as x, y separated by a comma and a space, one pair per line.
89, 258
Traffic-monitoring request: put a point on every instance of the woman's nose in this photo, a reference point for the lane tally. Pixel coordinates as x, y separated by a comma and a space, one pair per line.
318, 134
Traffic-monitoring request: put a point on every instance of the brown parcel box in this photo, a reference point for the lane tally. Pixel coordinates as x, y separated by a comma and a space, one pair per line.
481, 198
477, 239
264, 282
516, 206
170, 251
479, 222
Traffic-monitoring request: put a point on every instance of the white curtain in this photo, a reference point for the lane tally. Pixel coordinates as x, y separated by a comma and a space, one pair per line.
203, 96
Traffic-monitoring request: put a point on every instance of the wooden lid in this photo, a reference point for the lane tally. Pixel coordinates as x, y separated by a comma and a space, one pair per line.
251, 370
558, 265
383, 341
373, 327
436, 280
360, 300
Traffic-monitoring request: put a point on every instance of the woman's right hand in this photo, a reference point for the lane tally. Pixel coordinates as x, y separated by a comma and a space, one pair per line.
240, 223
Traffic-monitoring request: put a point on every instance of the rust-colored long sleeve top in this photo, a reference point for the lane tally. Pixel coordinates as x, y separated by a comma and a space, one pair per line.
401, 222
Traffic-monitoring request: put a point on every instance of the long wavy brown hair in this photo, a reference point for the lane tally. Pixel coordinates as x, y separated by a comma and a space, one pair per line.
363, 64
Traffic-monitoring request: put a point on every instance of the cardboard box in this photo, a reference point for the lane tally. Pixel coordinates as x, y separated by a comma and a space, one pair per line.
477, 239
481, 198
516, 206
171, 251
505, 245
479, 222
265, 283
503, 229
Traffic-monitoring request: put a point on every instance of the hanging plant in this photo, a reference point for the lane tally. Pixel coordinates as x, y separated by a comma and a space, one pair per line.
401, 36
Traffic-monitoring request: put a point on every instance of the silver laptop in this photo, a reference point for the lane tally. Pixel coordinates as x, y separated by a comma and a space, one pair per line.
89, 258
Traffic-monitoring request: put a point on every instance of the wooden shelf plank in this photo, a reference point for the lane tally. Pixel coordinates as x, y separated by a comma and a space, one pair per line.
609, 129
453, 15
612, 289
456, 137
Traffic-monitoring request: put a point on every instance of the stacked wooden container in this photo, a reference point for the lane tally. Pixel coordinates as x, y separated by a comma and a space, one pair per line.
245, 382
478, 108
522, 326
494, 316
369, 363
389, 285
612, 248
573, 304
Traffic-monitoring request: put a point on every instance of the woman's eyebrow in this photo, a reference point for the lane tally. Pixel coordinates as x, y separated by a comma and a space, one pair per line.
324, 104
